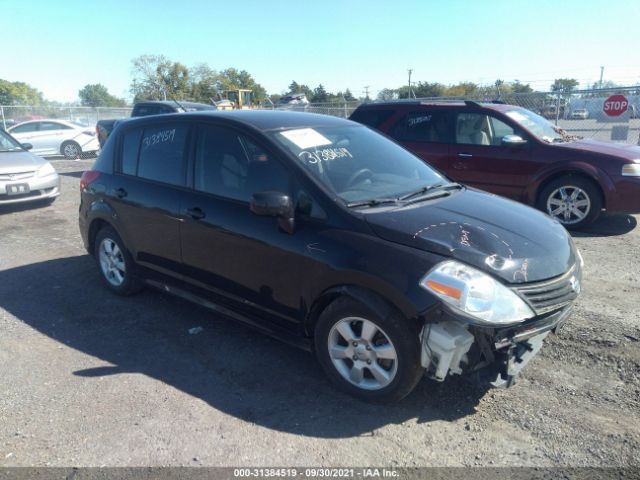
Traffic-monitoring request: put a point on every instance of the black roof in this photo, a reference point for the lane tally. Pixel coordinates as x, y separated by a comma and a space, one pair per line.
172, 103
258, 119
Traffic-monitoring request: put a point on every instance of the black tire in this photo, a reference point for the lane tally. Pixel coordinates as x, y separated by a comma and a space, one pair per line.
589, 190
402, 336
130, 283
71, 150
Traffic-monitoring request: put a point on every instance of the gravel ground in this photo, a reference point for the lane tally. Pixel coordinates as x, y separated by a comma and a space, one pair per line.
91, 379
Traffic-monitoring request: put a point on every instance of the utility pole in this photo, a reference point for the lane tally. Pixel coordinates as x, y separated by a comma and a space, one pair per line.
366, 92
601, 74
409, 92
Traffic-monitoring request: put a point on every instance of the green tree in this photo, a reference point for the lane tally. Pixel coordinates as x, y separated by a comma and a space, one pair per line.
97, 95
232, 79
296, 87
204, 83
564, 85
348, 96
320, 95
19, 93
519, 87
155, 77
387, 94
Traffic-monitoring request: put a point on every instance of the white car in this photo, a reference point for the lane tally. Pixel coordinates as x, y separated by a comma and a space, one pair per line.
56, 137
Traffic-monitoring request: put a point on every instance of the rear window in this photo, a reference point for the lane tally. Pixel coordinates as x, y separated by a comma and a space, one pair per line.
371, 117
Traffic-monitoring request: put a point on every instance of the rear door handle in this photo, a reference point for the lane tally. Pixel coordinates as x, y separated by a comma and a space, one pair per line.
465, 155
121, 193
195, 213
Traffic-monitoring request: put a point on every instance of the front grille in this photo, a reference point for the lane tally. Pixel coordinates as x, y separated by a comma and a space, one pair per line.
554, 294
16, 176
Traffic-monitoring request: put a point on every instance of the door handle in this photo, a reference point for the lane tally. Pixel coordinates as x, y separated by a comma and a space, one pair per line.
121, 193
195, 213
465, 155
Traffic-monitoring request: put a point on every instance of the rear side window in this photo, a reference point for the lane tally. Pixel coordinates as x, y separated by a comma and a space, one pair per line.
29, 127
53, 126
162, 153
372, 118
423, 126
130, 150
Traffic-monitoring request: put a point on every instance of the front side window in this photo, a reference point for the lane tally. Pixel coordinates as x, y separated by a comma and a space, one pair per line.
537, 125
480, 129
8, 144
423, 126
356, 163
162, 153
230, 165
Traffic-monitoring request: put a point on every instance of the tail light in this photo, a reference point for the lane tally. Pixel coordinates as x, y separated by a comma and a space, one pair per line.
88, 178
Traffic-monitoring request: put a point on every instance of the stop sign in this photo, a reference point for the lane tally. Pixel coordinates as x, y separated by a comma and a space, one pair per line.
615, 105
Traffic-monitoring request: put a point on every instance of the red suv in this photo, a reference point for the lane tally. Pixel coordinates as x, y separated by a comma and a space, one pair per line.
511, 151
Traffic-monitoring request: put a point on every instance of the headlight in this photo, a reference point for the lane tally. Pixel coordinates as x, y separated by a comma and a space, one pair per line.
631, 170
475, 293
46, 169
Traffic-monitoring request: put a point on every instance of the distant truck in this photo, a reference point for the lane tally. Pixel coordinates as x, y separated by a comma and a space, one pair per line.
142, 109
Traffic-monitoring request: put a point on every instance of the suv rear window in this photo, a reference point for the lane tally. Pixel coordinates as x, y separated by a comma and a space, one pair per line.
371, 117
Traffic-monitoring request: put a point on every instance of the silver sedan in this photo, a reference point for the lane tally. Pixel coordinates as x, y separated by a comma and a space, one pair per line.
24, 177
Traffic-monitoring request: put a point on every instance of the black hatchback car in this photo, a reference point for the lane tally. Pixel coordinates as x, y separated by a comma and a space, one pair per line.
325, 233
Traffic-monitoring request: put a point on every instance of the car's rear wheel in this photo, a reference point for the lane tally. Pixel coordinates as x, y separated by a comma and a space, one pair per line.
71, 150
574, 201
115, 263
369, 356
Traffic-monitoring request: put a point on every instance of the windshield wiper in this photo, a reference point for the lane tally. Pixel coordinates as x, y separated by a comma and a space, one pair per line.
430, 188
372, 202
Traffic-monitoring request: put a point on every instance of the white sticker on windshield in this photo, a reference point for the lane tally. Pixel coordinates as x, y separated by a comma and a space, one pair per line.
517, 116
305, 138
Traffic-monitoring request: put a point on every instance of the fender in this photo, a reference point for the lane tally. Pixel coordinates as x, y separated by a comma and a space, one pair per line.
102, 211
574, 167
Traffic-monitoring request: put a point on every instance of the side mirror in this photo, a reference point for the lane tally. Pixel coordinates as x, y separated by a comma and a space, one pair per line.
513, 141
27, 146
274, 204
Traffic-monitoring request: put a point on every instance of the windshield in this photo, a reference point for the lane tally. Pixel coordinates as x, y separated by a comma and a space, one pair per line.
356, 163
8, 144
537, 125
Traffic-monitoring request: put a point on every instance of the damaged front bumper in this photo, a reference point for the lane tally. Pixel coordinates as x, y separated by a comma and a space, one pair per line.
496, 354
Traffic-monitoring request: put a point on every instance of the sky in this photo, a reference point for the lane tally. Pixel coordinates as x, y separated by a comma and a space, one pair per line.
60, 46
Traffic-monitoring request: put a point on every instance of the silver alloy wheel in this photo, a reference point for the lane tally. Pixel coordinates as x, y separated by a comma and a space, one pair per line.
71, 150
111, 262
569, 204
362, 353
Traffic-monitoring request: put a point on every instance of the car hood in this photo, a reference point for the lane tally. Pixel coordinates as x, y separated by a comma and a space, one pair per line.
625, 151
507, 239
14, 162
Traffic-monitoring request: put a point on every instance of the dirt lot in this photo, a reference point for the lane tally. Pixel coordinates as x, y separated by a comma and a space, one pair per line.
90, 379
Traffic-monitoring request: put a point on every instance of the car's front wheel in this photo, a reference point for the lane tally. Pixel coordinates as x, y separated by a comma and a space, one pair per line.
372, 357
574, 201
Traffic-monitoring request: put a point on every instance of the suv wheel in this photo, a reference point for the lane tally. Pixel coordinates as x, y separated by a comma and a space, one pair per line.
115, 262
371, 357
574, 201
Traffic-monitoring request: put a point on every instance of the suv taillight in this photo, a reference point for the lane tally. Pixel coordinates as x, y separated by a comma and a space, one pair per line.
88, 178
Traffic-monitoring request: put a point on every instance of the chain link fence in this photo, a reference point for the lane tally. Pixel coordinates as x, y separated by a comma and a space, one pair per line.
580, 112
11, 115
